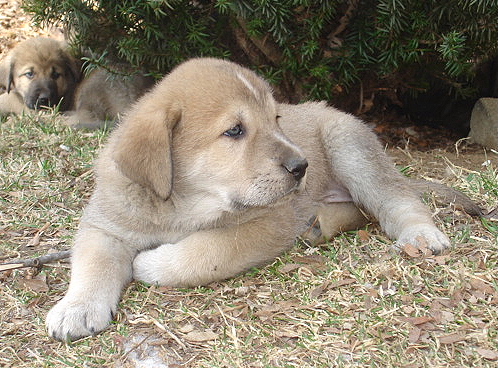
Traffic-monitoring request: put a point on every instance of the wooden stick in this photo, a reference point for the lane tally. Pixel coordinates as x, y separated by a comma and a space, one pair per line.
35, 262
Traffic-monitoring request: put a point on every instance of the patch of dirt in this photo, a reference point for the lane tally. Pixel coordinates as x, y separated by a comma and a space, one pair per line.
16, 26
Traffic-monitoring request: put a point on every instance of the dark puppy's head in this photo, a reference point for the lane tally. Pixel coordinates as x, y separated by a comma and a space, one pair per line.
43, 73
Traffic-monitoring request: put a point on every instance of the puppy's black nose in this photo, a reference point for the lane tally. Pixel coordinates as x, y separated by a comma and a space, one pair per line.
296, 167
42, 102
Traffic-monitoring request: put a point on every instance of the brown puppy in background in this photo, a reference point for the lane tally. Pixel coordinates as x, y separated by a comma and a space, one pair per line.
38, 73
208, 176
41, 73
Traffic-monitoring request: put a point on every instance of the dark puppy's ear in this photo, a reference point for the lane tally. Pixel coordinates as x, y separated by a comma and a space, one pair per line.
4, 74
73, 67
142, 143
10, 80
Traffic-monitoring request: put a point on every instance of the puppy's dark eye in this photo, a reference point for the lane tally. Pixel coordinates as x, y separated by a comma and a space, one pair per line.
55, 75
29, 74
235, 132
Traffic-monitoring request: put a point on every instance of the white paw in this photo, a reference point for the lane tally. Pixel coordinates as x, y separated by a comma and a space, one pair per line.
163, 265
142, 269
72, 319
151, 266
424, 236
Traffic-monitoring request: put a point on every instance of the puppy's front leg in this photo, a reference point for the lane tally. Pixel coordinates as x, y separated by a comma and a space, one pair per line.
101, 267
12, 103
216, 254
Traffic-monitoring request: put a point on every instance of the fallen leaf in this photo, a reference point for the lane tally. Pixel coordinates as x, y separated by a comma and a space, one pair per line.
423, 243
447, 317
35, 241
442, 302
363, 235
287, 333
369, 302
424, 337
407, 299
414, 335
428, 326
316, 292
314, 259
276, 308
456, 297
412, 251
408, 309
470, 326
186, 328
201, 336
289, 267
417, 320
482, 265
342, 283
451, 338
441, 260
37, 284
36, 301
482, 286
488, 354
380, 128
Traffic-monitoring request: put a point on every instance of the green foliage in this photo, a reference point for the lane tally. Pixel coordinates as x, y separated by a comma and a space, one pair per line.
308, 48
152, 34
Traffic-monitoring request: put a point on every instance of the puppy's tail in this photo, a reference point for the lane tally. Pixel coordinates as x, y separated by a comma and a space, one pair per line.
449, 195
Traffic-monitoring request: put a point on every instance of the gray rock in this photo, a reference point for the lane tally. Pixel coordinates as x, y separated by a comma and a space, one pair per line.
484, 123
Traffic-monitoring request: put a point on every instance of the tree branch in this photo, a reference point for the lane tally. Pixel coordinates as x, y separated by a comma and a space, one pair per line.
334, 41
35, 262
265, 45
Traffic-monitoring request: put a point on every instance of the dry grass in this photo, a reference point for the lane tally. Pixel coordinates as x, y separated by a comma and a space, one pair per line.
347, 303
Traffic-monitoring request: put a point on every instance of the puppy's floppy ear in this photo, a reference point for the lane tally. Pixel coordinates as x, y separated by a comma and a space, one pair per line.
10, 80
73, 66
142, 143
4, 74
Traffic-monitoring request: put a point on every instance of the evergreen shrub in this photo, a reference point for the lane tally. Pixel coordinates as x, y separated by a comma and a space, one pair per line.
309, 49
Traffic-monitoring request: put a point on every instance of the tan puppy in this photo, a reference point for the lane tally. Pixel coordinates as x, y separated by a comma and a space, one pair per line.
40, 73
208, 176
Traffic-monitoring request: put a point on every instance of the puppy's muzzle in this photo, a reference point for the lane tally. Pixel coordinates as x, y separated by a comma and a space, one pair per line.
296, 167
42, 94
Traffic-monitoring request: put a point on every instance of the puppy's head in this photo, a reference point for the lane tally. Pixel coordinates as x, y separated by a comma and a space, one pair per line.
42, 72
208, 135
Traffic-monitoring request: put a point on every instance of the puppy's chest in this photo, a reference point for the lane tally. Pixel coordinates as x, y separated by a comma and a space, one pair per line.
175, 227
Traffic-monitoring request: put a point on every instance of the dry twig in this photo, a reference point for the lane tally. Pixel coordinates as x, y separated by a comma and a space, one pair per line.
35, 262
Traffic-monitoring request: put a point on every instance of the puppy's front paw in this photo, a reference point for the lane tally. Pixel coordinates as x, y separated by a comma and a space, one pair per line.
150, 266
424, 235
162, 265
72, 319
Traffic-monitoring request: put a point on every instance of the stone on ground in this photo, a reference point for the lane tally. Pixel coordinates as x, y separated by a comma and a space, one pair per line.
484, 123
